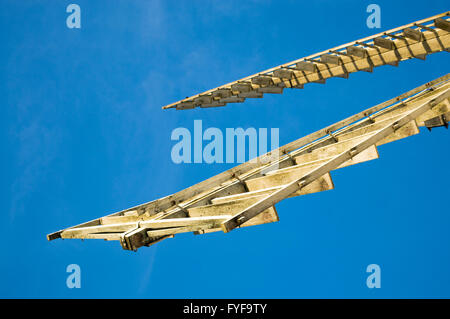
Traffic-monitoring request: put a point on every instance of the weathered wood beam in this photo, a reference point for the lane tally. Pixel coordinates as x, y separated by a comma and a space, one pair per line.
442, 24
331, 59
282, 178
413, 34
368, 154
283, 74
177, 230
252, 94
271, 89
81, 232
438, 121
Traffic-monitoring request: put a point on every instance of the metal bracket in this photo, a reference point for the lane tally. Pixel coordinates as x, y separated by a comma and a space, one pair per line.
395, 126
134, 238
335, 139
438, 121
352, 152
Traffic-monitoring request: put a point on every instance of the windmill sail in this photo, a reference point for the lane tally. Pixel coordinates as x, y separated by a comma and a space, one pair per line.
246, 195
412, 41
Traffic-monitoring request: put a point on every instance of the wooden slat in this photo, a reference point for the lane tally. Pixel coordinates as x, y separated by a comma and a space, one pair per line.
413, 34
252, 94
323, 183
228, 206
369, 154
270, 215
213, 104
230, 198
241, 87
222, 93
440, 109
232, 99
111, 220
357, 51
263, 80
442, 24
331, 59
271, 89
437, 121
224, 208
406, 131
306, 66
384, 43
283, 73
203, 99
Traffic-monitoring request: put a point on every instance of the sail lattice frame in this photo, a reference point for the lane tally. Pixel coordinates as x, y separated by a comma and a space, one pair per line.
246, 195
412, 41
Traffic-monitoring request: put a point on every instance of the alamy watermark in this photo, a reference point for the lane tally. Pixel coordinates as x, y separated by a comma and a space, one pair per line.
374, 279
374, 19
74, 279
74, 19
235, 145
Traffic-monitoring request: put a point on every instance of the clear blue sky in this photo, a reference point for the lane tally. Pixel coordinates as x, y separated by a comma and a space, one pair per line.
83, 135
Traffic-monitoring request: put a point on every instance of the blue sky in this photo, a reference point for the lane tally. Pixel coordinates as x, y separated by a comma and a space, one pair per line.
83, 135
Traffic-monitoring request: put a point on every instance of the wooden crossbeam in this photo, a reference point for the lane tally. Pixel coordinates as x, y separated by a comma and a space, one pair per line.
279, 179
331, 59
283, 74
438, 121
384, 43
413, 34
80, 232
357, 52
306, 66
442, 24
369, 154
271, 89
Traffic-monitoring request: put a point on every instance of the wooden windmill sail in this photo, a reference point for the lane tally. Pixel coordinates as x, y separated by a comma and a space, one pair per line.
414, 40
246, 195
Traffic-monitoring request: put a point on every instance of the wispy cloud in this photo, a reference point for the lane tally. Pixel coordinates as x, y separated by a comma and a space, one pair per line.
36, 150
145, 279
